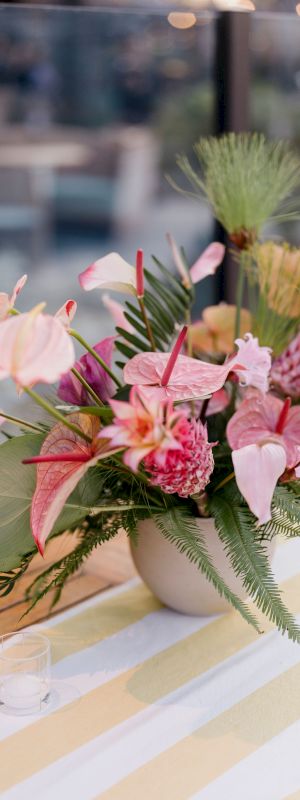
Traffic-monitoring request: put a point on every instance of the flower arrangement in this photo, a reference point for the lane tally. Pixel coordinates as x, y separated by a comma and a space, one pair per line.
170, 419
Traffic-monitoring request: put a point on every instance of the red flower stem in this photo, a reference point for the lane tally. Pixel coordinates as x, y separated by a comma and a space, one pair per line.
56, 414
173, 357
140, 273
283, 415
56, 457
87, 386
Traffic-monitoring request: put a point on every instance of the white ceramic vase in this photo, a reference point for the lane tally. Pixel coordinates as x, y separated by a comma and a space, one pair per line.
177, 582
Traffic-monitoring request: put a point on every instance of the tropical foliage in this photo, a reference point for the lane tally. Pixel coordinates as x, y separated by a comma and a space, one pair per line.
169, 419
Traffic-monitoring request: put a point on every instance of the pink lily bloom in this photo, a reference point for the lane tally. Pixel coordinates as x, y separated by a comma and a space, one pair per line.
109, 272
264, 435
7, 301
143, 426
34, 347
257, 469
66, 313
206, 264
177, 377
64, 459
117, 312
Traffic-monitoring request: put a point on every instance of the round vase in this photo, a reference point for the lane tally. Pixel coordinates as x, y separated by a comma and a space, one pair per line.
177, 582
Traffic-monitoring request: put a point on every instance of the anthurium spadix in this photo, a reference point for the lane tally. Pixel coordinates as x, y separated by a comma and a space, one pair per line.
64, 459
34, 347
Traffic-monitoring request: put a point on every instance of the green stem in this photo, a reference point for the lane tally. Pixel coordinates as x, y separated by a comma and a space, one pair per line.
87, 386
93, 353
147, 323
56, 414
21, 422
239, 300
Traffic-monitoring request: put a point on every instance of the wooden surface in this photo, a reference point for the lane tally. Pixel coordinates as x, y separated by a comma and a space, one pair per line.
108, 566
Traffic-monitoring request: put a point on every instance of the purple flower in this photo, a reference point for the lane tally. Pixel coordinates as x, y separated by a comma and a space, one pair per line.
71, 390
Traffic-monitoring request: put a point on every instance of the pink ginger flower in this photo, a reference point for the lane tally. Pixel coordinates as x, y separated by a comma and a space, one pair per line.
34, 347
264, 435
285, 372
206, 264
7, 301
186, 470
142, 426
177, 377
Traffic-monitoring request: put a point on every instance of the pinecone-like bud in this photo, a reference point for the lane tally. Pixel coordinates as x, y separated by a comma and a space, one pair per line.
285, 372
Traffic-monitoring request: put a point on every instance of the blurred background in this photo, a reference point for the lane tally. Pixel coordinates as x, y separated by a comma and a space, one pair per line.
96, 102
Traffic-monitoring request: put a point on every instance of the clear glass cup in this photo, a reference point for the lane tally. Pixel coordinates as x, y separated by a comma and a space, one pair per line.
25, 661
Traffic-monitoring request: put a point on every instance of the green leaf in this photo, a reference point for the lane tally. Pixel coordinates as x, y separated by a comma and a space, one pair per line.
104, 412
236, 527
125, 350
17, 485
132, 339
180, 527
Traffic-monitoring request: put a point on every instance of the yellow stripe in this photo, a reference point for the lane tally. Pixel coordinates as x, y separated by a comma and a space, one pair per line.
53, 737
294, 796
199, 759
100, 621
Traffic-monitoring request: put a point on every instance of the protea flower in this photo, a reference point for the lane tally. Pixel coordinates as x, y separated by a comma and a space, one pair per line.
285, 372
186, 470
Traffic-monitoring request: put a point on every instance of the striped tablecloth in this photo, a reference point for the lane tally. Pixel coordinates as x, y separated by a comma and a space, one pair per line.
148, 704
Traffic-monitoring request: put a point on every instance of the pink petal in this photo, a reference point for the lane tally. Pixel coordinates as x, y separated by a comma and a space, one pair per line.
179, 262
257, 469
66, 313
134, 456
297, 472
208, 262
254, 420
255, 362
218, 402
109, 272
117, 312
34, 347
291, 436
56, 481
17, 289
5, 305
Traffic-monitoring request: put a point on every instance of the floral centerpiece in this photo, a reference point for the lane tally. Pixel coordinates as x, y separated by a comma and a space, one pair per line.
170, 420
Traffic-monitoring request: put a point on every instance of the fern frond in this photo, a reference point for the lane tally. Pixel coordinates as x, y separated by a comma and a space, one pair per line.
235, 526
179, 526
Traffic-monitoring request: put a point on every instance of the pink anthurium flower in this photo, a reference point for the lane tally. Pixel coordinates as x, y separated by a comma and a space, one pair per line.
261, 418
34, 347
257, 469
179, 377
117, 312
7, 301
265, 433
66, 313
71, 390
64, 459
109, 272
206, 264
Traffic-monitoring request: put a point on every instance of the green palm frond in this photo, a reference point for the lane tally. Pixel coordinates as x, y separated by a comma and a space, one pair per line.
180, 527
285, 512
166, 302
235, 526
246, 179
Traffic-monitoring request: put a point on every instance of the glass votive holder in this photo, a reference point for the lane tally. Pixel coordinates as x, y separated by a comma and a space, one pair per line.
25, 661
